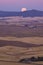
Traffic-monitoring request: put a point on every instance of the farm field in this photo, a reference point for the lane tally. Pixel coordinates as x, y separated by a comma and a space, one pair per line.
13, 54
23, 39
20, 31
34, 40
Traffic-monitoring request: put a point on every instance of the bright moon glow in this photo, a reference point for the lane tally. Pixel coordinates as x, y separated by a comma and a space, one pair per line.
23, 9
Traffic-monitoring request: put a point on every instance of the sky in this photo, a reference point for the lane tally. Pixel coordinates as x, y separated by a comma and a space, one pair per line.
16, 5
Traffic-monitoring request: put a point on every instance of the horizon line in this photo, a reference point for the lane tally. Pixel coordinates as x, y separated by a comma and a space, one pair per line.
19, 10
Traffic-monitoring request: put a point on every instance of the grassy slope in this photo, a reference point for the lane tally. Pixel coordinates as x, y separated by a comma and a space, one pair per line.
34, 40
12, 53
28, 35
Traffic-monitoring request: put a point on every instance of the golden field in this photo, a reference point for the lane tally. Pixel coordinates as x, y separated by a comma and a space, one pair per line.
21, 38
34, 40
11, 55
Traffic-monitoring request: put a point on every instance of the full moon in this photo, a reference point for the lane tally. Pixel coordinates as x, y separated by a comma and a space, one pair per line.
23, 9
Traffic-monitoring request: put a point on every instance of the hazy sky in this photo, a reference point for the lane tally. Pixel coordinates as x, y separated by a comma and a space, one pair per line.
16, 5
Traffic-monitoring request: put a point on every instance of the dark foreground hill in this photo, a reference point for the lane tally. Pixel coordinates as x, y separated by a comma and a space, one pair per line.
29, 13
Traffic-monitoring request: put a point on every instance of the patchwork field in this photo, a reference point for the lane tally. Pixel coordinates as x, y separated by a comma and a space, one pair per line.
13, 49
13, 54
21, 31
21, 40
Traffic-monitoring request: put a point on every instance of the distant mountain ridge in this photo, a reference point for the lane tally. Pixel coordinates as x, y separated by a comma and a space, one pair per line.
28, 13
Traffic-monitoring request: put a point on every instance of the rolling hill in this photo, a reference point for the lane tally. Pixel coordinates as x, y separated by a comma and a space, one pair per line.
29, 13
